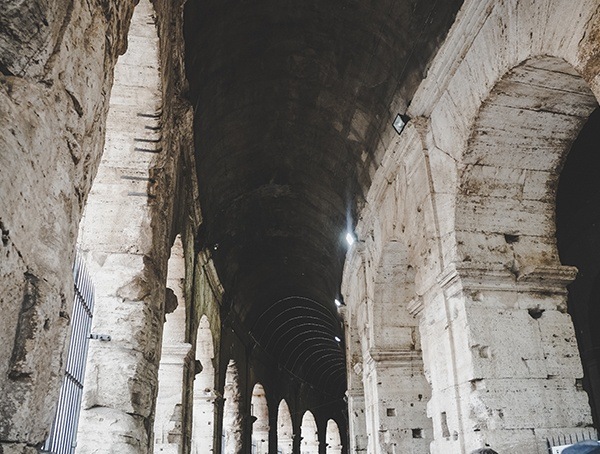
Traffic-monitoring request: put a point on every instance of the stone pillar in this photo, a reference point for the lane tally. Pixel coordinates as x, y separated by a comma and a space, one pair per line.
124, 236
505, 371
354, 288
395, 388
172, 406
355, 394
203, 432
168, 423
285, 443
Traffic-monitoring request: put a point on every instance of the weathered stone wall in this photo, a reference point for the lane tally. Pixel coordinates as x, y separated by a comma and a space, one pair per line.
128, 231
56, 65
469, 186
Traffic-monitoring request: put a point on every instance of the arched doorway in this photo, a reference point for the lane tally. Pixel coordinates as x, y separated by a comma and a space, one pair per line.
334, 441
285, 429
204, 395
519, 333
309, 444
260, 427
578, 239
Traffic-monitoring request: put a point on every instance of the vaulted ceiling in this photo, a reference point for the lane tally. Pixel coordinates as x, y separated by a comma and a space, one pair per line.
291, 100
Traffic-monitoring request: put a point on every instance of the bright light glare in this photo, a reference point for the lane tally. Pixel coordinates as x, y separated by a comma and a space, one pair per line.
350, 238
338, 303
337, 339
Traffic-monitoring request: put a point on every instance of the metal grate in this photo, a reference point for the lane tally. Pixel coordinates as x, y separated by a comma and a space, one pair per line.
557, 443
62, 438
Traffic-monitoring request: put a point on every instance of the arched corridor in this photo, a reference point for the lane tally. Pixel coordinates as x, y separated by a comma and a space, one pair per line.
313, 227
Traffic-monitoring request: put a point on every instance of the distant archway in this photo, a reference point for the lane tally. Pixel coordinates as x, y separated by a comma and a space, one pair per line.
232, 417
334, 441
204, 394
285, 429
309, 444
260, 427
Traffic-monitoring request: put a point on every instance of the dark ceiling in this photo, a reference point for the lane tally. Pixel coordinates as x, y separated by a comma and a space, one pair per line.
291, 98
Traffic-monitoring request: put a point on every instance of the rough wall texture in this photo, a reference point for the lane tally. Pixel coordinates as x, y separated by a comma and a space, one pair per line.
56, 65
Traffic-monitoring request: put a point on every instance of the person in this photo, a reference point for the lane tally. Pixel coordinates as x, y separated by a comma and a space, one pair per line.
483, 451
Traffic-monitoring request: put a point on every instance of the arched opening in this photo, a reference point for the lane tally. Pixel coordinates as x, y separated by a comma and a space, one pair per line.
395, 387
232, 417
334, 441
309, 443
512, 280
170, 415
260, 415
578, 237
203, 415
285, 429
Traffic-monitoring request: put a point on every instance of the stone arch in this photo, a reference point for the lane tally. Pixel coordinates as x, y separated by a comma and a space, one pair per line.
487, 41
481, 302
507, 258
334, 441
171, 412
232, 441
203, 415
505, 204
309, 443
285, 428
259, 410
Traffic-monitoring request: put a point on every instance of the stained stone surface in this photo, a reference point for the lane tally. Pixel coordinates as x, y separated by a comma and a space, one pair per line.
56, 67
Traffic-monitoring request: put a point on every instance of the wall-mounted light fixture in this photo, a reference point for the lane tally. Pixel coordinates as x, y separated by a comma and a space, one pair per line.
350, 239
400, 122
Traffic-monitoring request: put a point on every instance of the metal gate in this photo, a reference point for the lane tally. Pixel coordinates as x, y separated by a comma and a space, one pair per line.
62, 438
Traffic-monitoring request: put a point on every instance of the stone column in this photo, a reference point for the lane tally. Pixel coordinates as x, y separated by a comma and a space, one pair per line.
505, 370
168, 423
355, 394
125, 236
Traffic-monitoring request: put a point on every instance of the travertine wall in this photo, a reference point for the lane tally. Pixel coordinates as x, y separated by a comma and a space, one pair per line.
477, 168
56, 69
127, 234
